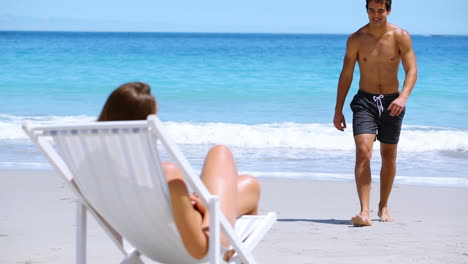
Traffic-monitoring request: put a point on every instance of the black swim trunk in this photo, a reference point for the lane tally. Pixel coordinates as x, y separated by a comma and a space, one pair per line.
370, 116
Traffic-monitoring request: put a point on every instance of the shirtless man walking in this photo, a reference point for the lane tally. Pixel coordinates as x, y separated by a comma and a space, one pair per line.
378, 107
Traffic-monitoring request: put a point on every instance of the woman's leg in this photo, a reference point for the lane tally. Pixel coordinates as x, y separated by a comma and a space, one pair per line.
248, 189
219, 174
238, 195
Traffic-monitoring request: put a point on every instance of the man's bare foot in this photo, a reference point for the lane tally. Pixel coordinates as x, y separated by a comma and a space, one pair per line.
361, 221
384, 215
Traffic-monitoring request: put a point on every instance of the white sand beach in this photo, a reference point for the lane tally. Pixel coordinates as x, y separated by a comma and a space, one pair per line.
37, 218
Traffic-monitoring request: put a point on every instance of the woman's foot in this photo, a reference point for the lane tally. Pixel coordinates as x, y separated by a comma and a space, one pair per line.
228, 255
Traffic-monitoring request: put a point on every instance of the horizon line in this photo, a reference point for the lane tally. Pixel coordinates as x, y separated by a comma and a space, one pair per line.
208, 32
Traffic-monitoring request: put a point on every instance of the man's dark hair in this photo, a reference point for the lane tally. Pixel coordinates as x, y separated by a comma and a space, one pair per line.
388, 3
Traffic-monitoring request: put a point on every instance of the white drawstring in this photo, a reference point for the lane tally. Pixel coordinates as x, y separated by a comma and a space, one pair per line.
378, 100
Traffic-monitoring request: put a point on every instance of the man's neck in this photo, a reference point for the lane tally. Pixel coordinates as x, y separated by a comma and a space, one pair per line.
378, 30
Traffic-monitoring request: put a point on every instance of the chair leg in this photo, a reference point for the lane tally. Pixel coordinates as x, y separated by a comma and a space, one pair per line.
80, 233
132, 258
215, 240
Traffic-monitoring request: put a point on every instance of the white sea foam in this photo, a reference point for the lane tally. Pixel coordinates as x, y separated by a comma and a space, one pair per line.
311, 136
284, 135
25, 165
10, 125
278, 150
277, 135
407, 180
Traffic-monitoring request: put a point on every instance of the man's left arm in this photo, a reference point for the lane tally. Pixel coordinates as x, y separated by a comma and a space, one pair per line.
408, 59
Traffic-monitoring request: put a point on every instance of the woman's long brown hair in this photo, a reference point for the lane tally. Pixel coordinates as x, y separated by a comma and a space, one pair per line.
130, 101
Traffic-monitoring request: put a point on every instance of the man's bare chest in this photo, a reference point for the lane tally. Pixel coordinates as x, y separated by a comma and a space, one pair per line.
383, 51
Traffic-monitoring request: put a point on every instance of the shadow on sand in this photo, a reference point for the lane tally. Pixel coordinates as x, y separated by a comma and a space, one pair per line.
319, 221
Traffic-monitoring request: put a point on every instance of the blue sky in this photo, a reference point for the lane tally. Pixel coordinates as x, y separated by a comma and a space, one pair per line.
268, 16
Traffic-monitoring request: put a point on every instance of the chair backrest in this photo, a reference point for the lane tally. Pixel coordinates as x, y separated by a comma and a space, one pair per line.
117, 168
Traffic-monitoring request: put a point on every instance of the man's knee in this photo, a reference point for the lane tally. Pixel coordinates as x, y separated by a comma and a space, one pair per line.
388, 152
363, 154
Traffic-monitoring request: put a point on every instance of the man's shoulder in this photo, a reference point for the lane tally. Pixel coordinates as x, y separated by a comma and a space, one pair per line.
398, 31
359, 34
363, 31
355, 36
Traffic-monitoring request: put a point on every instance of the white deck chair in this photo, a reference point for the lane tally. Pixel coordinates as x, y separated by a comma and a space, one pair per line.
115, 170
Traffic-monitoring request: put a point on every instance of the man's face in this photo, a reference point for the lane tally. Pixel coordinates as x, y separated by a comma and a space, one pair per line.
377, 13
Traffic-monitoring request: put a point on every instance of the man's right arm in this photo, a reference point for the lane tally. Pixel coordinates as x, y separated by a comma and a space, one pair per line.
344, 83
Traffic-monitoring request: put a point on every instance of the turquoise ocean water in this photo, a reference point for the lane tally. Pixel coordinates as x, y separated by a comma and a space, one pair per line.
270, 97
